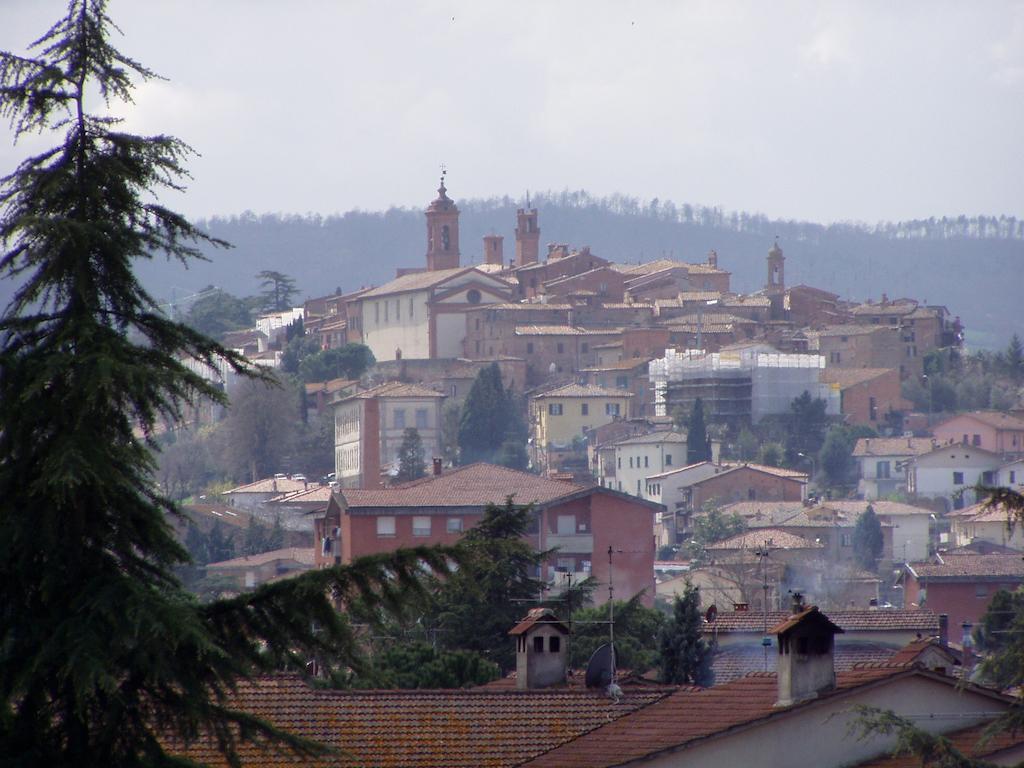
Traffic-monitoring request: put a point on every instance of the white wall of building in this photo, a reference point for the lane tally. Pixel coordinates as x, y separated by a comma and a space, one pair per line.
397, 322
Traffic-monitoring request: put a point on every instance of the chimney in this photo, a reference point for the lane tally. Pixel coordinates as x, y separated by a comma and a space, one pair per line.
741, 607
944, 629
541, 649
494, 250
806, 665
712, 259
437, 466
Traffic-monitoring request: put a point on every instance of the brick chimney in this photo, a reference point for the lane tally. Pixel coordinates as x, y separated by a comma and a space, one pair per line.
944, 630
437, 466
541, 649
806, 643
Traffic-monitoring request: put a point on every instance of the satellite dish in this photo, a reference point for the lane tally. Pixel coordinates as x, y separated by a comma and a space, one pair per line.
711, 614
599, 668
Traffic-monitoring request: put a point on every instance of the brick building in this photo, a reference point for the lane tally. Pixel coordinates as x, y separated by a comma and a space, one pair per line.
582, 522
860, 346
961, 586
1000, 433
868, 397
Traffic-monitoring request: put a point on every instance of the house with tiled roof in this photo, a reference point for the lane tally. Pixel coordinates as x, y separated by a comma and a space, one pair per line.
961, 585
949, 473
868, 397
883, 463
633, 458
579, 522
253, 495
250, 571
746, 482
993, 431
995, 524
560, 417
369, 427
802, 715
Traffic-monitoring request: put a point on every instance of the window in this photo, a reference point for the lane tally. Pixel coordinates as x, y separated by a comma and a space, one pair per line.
561, 347
376, 311
964, 441
473, 296
622, 382
751, 494
385, 310
421, 526
872, 409
585, 409
630, 462
421, 418
554, 644
398, 309
411, 310
620, 462
566, 525
981, 590
584, 347
668, 459
1013, 477
976, 440
399, 418
554, 409
454, 525
846, 540
386, 527
834, 357
611, 409
647, 462
538, 644
882, 470
477, 324
988, 478
958, 478
529, 347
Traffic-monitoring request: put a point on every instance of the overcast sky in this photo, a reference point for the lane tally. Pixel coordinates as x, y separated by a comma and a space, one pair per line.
819, 111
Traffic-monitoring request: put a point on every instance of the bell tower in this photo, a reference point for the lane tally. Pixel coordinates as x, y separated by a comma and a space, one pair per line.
442, 231
527, 236
775, 286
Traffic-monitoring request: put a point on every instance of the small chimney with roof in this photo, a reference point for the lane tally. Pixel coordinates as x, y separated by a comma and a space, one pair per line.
541, 649
806, 643
437, 466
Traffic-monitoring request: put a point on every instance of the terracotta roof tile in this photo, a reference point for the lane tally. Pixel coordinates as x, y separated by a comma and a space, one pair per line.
849, 621
777, 539
474, 485
563, 330
416, 281
734, 662
302, 555
849, 377
273, 485
395, 389
652, 438
994, 419
972, 566
687, 716
585, 390
419, 729
319, 494
893, 446
967, 741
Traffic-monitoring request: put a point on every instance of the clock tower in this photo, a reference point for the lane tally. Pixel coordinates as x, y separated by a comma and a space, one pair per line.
442, 231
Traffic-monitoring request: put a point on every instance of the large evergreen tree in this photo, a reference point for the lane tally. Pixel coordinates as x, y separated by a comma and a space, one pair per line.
490, 418
278, 291
685, 654
867, 539
411, 464
698, 445
103, 655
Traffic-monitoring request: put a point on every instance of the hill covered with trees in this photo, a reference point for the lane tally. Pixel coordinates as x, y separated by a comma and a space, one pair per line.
968, 264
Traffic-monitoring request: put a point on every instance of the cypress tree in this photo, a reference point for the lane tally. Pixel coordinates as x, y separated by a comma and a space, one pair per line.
103, 654
489, 418
685, 655
868, 540
411, 464
698, 446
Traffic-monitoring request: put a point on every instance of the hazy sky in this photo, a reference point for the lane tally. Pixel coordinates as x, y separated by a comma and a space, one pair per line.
820, 111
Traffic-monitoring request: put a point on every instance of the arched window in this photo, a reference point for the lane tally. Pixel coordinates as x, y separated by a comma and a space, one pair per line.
445, 237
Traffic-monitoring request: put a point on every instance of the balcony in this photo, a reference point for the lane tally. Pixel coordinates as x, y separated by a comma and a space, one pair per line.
574, 543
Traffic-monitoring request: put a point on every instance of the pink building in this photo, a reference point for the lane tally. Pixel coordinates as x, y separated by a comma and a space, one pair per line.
1001, 433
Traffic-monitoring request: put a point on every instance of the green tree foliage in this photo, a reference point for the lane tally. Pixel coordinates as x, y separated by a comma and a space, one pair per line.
698, 444
933, 750
867, 539
489, 418
106, 656
348, 362
771, 455
494, 586
260, 537
995, 628
805, 427
416, 664
411, 464
512, 454
836, 455
712, 526
1015, 360
260, 425
746, 445
278, 291
216, 312
637, 629
685, 654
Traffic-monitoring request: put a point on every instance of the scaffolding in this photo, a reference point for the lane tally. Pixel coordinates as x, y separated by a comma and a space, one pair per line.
738, 386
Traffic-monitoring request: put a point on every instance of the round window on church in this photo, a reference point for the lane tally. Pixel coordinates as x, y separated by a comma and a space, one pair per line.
473, 296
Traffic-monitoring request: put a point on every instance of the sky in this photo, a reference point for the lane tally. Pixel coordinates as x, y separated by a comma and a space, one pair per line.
821, 111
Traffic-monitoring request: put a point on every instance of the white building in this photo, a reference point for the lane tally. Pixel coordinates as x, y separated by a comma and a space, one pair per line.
275, 323
951, 472
637, 457
422, 315
883, 463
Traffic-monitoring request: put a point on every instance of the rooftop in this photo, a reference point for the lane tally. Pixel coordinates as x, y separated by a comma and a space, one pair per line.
395, 389
585, 390
415, 281
774, 537
272, 485
880, 620
563, 330
849, 377
653, 438
302, 555
995, 419
321, 494
419, 728
956, 567
474, 485
893, 446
